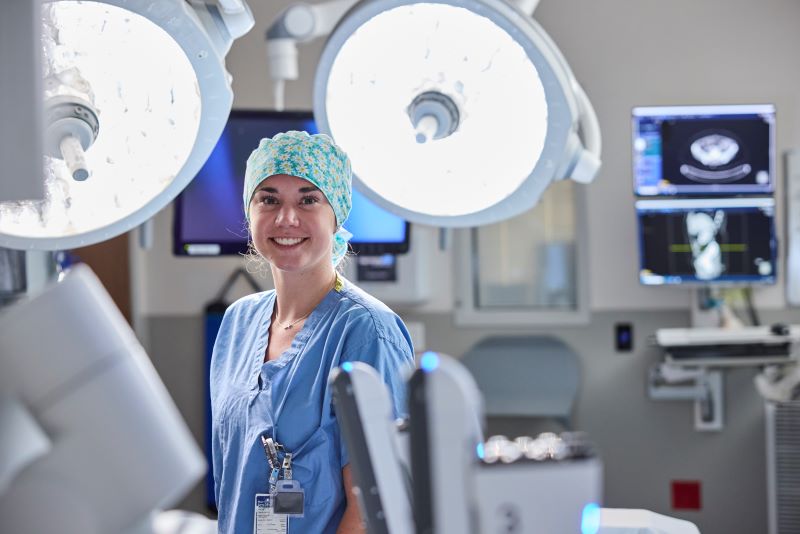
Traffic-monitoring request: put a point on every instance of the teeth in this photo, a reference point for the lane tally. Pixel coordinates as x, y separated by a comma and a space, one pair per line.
288, 240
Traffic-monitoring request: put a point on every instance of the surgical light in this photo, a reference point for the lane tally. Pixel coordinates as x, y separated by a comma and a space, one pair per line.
454, 113
135, 96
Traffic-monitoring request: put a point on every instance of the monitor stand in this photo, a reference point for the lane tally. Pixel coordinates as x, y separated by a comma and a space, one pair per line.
709, 309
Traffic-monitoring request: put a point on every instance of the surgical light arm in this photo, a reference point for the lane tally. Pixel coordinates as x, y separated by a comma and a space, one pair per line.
299, 23
22, 127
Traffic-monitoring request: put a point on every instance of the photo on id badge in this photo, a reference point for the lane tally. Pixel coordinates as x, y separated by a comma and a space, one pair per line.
266, 521
273, 510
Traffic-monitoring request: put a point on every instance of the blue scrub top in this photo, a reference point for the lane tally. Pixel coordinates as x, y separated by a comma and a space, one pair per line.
289, 399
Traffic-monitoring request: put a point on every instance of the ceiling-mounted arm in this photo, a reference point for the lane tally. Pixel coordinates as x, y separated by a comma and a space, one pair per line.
586, 146
234, 15
588, 163
230, 7
590, 126
299, 23
526, 6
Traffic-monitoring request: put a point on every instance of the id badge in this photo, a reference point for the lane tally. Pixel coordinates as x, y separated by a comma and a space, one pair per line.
289, 498
266, 521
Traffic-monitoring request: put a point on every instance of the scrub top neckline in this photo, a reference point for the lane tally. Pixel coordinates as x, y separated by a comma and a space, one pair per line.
300, 338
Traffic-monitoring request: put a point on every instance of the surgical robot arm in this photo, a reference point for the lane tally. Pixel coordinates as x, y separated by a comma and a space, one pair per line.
105, 447
462, 484
378, 460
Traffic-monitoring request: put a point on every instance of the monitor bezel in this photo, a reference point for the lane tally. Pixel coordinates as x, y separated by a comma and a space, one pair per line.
697, 110
720, 203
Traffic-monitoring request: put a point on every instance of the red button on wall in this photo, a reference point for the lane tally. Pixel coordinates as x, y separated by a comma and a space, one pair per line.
686, 495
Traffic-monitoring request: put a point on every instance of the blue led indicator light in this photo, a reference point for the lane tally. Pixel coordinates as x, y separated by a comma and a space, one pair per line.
429, 361
590, 519
347, 367
479, 449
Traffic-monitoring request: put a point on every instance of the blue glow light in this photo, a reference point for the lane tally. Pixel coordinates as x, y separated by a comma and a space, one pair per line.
590, 519
479, 449
429, 361
347, 367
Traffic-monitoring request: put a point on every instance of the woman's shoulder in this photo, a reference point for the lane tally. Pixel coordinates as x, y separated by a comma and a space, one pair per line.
365, 312
356, 301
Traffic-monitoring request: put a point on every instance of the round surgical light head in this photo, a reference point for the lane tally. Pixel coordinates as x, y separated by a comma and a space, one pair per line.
454, 113
136, 95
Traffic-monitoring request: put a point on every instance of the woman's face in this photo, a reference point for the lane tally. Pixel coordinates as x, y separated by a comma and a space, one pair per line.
292, 223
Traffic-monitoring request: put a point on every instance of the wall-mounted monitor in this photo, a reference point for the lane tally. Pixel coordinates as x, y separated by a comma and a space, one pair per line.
707, 241
704, 150
208, 217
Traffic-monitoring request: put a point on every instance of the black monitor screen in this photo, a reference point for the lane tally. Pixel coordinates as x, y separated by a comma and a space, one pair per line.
707, 241
209, 218
704, 150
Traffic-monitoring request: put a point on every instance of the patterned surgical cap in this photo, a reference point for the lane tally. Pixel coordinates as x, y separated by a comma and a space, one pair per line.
314, 158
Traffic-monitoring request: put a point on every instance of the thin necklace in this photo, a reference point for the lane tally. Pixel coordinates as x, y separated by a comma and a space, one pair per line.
290, 324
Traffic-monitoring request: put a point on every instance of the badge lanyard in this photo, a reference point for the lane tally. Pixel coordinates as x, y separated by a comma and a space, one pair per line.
286, 497
338, 285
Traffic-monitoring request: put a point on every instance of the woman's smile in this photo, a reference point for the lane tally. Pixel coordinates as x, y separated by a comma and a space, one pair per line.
288, 242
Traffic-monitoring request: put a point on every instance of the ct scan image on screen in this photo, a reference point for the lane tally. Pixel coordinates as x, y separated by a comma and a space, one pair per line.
694, 150
707, 241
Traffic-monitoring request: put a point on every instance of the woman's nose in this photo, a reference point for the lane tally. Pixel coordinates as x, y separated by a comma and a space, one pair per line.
287, 216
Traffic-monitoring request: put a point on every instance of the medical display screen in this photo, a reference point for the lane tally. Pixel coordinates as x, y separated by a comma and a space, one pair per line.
707, 241
208, 216
704, 150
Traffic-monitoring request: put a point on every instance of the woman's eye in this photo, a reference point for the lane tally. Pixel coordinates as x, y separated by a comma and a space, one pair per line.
309, 200
268, 199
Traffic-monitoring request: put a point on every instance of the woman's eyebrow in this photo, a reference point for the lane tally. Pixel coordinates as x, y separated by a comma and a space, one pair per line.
306, 189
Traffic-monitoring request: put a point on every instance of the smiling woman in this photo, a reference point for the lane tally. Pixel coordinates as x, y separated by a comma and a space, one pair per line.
273, 423
292, 225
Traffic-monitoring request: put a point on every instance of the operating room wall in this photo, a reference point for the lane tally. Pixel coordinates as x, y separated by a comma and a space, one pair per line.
624, 54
